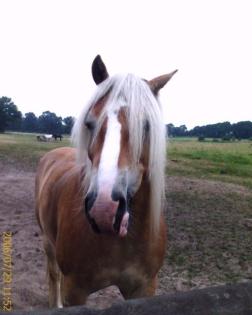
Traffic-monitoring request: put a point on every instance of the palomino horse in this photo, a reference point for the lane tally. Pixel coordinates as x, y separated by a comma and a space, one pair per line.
99, 206
44, 138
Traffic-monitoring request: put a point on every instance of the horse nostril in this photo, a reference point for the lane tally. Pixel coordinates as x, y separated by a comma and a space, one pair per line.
117, 195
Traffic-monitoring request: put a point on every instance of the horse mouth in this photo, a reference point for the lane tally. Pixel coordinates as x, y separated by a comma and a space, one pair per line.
121, 220
123, 229
108, 217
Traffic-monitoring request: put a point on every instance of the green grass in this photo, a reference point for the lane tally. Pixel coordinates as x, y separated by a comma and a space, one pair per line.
228, 162
23, 150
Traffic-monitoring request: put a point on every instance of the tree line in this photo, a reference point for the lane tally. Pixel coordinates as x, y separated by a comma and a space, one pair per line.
12, 119
224, 130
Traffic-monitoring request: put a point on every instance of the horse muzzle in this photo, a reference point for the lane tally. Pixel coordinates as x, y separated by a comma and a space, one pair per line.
107, 213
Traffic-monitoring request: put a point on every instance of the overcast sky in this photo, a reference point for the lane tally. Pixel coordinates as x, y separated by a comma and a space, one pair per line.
47, 47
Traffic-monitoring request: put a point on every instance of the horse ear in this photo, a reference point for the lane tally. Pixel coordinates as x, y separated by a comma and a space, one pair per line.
159, 82
99, 70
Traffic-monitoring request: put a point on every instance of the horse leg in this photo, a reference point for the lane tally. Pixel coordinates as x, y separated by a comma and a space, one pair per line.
132, 289
72, 294
54, 276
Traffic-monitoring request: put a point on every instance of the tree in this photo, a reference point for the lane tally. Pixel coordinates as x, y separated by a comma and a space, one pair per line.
182, 131
68, 123
242, 130
30, 122
218, 130
169, 130
50, 123
10, 116
173, 131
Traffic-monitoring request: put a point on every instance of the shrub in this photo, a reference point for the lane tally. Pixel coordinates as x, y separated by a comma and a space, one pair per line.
215, 140
226, 138
201, 138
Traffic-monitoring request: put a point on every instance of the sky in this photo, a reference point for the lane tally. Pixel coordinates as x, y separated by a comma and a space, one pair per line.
47, 48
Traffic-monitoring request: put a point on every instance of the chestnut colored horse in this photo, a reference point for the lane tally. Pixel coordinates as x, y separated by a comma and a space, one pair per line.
99, 206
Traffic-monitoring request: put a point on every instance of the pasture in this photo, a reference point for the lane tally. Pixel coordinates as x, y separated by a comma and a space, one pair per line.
208, 211
229, 162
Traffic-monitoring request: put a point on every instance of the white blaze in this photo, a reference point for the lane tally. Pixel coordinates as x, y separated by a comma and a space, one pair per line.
108, 166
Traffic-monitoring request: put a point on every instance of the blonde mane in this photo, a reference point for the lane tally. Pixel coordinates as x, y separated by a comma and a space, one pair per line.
142, 106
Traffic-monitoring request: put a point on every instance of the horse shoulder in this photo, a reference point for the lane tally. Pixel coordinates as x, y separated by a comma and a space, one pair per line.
52, 167
73, 230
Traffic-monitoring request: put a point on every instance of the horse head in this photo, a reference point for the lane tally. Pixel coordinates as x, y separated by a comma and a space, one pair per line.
122, 136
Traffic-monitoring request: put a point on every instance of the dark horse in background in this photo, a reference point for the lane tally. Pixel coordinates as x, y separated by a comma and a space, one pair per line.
57, 136
100, 206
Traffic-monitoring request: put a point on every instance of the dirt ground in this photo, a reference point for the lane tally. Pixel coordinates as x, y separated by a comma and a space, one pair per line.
29, 286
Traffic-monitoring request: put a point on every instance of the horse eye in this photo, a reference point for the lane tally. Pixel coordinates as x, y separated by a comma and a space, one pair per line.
146, 126
90, 125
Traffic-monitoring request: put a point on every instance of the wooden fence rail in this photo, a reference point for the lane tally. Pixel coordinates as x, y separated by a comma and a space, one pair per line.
222, 300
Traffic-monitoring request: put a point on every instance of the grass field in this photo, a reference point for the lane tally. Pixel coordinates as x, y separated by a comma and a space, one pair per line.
23, 149
222, 161
209, 206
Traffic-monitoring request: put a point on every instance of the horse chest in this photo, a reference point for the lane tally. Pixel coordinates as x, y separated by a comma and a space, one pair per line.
109, 259
131, 274
108, 264
127, 265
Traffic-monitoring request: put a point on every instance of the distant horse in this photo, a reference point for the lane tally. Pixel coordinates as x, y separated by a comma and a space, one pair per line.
99, 206
44, 138
56, 136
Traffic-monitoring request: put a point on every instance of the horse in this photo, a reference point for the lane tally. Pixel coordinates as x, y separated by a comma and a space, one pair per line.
44, 138
100, 204
56, 136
